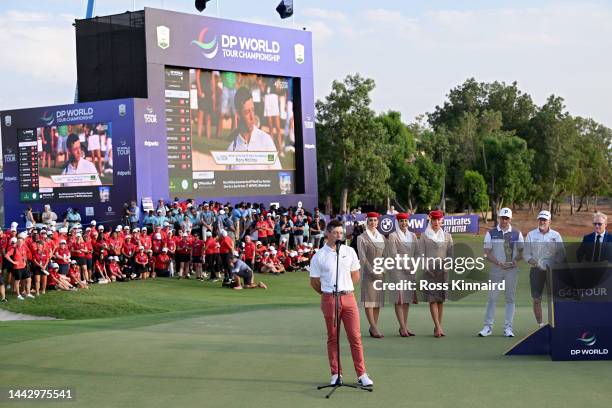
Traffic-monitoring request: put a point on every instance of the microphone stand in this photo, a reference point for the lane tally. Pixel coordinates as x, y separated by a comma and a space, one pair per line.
336, 294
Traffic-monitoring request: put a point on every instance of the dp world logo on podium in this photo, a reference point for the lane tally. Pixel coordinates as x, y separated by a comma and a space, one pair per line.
587, 340
386, 225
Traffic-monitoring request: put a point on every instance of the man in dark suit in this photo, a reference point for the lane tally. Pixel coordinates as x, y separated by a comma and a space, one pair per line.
596, 246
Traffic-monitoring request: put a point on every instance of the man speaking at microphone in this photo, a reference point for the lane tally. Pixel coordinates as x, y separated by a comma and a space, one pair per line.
323, 279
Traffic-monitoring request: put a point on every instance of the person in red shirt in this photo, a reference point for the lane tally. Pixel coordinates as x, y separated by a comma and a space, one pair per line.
57, 280
128, 250
249, 251
30, 243
87, 249
197, 251
115, 243
211, 255
157, 244
226, 249
277, 261
100, 269
290, 261
114, 270
74, 274
151, 264
183, 256
268, 264
18, 256
145, 239
62, 257
141, 260
162, 264
262, 230
171, 245
78, 252
40, 261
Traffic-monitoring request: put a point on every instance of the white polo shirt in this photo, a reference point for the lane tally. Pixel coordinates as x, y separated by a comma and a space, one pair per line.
539, 246
323, 266
84, 166
260, 141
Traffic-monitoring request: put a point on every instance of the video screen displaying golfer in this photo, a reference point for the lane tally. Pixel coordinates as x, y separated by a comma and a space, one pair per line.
249, 138
253, 118
75, 155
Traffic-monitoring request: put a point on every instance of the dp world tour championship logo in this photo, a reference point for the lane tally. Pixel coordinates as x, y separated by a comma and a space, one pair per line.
48, 118
587, 339
209, 49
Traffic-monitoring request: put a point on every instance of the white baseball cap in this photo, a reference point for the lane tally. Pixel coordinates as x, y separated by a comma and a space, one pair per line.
544, 214
119, 228
505, 212
93, 222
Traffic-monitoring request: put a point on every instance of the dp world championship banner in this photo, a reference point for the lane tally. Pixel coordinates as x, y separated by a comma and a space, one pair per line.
200, 73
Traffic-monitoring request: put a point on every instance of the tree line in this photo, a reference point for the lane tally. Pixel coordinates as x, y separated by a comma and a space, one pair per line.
487, 146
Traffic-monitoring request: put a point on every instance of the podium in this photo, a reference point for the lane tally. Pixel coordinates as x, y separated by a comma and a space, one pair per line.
579, 314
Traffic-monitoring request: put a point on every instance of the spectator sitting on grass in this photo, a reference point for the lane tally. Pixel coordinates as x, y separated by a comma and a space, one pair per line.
100, 269
74, 275
268, 266
57, 280
115, 270
240, 271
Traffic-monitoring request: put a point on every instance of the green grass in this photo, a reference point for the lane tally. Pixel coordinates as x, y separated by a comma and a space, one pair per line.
183, 343
163, 295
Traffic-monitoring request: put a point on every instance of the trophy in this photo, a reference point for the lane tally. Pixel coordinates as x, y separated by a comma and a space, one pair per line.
508, 262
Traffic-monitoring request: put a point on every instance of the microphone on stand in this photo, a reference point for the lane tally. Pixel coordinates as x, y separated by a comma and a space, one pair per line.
338, 243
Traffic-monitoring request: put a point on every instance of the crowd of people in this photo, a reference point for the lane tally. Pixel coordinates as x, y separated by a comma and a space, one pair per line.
209, 242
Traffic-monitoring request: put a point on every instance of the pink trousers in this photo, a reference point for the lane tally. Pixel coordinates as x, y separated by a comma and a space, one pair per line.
349, 315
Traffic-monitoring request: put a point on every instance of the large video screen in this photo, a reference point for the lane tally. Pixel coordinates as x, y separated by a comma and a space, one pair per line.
66, 162
229, 132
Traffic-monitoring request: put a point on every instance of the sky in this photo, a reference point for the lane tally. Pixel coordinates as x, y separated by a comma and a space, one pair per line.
415, 50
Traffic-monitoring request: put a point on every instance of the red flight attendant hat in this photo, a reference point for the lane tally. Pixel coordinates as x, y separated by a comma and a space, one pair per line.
436, 214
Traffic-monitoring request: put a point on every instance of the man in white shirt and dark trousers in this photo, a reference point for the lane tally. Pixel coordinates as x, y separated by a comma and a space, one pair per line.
323, 279
543, 249
503, 247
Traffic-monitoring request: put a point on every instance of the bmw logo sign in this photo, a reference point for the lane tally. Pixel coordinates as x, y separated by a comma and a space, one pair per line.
387, 224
